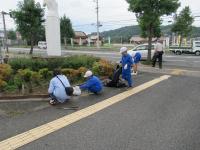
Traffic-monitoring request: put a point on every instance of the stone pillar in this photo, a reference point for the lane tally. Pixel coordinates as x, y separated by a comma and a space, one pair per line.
53, 29
72, 42
89, 41
109, 40
80, 42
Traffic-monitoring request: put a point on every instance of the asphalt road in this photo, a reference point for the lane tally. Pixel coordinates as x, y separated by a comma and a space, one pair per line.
186, 61
164, 117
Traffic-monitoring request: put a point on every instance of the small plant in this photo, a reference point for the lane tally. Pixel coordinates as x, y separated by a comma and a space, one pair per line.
29, 77
35, 78
2, 84
5, 72
76, 62
103, 68
45, 73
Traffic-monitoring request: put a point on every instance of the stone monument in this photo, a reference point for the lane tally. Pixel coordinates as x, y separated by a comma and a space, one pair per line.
52, 28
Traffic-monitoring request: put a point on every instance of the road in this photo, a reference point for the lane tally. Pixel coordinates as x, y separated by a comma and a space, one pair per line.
190, 62
161, 112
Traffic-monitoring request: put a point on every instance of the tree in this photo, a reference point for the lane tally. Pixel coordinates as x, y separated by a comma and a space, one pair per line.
183, 24
41, 36
11, 35
148, 13
29, 18
66, 29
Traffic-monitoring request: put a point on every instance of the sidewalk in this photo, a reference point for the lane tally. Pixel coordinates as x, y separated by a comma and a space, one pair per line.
169, 71
17, 117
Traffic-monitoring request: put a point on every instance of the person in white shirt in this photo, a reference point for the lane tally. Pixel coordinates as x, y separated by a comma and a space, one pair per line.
57, 88
158, 54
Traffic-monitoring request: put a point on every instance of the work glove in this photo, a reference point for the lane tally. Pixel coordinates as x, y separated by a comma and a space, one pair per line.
126, 67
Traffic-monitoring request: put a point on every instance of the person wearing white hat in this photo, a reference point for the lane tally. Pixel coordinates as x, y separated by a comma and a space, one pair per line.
127, 63
93, 83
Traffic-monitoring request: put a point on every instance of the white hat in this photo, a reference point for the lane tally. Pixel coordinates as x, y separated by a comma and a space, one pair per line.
88, 74
123, 49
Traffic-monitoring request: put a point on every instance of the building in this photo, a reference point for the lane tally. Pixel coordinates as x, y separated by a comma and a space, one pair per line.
93, 40
139, 40
80, 38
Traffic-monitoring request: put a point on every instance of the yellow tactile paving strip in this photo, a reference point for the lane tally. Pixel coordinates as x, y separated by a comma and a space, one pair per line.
41, 131
177, 72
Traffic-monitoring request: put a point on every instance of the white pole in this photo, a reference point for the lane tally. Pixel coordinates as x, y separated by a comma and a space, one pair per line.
72, 42
97, 1
5, 32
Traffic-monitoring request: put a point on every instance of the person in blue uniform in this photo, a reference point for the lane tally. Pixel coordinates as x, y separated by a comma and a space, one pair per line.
127, 63
93, 83
136, 58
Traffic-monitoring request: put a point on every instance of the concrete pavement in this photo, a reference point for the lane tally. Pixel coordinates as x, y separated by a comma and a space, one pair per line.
158, 118
26, 115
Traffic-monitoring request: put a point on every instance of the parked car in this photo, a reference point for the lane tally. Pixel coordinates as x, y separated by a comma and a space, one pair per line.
42, 44
143, 49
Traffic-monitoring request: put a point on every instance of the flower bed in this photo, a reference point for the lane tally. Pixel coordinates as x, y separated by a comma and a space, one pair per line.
23, 76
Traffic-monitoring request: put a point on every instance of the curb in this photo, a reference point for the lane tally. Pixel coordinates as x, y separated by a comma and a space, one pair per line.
10, 98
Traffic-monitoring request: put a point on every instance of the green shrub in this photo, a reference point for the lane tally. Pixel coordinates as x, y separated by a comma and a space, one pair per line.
2, 84
76, 62
74, 75
45, 73
29, 74
10, 88
5, 72
20, 63
54, 63
39, 64
25, 75
35, 78
103, 68
18, 82
27, 63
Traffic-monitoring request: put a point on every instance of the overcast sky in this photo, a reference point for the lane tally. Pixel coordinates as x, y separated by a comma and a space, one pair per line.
113, 13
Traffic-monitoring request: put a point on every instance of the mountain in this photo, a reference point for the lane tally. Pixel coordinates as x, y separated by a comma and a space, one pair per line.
127, 32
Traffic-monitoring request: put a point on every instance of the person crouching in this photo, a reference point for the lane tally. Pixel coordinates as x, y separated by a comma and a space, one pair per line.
59, 87
93, 83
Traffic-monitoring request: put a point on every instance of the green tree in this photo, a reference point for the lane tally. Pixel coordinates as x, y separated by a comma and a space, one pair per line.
41, 36
12, 35
183, 24
67, 31
148, 13
29, 18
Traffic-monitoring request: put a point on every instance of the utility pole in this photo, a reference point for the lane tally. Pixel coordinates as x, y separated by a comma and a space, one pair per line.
174, 34
98, 25
5, 40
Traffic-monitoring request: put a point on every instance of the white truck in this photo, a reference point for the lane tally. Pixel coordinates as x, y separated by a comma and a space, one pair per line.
193, 49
